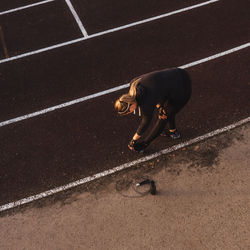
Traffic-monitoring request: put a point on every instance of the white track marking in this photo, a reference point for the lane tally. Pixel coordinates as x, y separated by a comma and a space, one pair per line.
79, 22
25, 7
121, 167
63, 105
215, 56
103, 33
39, 51
153, 18
108, 91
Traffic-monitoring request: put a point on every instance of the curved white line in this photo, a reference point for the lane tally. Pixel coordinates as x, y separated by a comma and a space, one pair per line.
108, 91
103, 32
25, 7
121, 167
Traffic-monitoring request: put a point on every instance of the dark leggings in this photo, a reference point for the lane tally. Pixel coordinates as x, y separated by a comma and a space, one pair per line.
171, 110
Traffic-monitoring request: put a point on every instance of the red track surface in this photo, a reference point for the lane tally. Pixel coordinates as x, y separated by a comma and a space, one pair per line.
65, 145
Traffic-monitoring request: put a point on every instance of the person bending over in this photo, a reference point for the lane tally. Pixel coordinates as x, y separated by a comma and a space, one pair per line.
165, 92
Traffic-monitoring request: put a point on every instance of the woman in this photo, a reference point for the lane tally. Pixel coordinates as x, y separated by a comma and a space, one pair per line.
165, 92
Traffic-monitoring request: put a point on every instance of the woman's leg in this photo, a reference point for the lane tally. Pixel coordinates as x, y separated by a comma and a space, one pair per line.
171, 131
175, 106
171, 111
165, 115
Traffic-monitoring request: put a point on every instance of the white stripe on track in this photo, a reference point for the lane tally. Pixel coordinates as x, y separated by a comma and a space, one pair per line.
224, 53
104, 32
108, 91
25, 7
63, 105
78, 20
153, 18
121, 167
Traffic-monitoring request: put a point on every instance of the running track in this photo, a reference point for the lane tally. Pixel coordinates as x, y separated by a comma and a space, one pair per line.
60, 51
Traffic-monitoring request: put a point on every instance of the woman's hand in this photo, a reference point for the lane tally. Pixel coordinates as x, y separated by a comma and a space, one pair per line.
138, 147
133, 142
131, 145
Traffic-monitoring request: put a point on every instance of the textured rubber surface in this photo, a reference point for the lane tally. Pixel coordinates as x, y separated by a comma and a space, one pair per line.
62, 146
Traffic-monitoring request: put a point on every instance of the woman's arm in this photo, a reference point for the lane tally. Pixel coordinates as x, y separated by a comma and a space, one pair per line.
141, 129
136, 137
145, 121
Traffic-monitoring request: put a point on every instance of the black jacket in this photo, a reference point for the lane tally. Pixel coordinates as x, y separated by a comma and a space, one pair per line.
172, 86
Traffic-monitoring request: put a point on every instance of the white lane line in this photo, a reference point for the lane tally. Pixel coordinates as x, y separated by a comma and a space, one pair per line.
121, 167
153, 18
224, 53
108, 91
39, 51
25, 7
78, 20
102, 33
63, 105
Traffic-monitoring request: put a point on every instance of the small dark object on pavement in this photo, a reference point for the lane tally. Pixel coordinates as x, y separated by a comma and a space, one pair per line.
152, 188
152, 185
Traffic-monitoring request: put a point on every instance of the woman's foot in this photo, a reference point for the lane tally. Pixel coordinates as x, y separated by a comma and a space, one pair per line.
174, 134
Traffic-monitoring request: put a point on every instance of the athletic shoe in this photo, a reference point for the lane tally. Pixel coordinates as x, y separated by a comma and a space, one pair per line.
175, 135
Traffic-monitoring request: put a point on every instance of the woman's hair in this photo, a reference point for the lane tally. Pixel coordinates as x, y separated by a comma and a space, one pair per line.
123, 103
